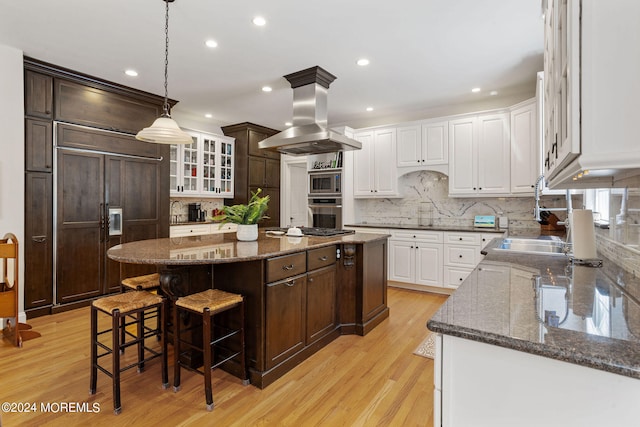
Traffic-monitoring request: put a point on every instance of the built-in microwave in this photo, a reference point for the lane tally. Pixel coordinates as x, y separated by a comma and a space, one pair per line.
325, 183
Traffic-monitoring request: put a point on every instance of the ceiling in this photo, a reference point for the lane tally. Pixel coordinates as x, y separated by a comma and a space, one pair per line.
425, 55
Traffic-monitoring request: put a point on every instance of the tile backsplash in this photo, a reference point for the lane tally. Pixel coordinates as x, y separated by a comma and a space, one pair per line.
425, 199
179, 210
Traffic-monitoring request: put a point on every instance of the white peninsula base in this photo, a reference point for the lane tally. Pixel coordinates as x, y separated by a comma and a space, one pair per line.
478, 384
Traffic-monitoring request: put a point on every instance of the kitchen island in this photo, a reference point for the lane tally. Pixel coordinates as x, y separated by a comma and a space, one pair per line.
300, 292
535, 340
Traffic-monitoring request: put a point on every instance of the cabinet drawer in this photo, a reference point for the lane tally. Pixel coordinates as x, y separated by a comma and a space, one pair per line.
424, 236
453, 276
286, 266
467, 256
318, 258
463, 238
225, 228
188, 230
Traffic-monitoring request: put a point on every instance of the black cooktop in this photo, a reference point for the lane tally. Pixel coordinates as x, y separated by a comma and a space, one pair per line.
317, 231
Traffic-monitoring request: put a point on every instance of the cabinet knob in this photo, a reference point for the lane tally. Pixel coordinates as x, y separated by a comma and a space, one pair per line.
460, 238
474, 188
411, 247
480, 188
460, 279
418, 161
310, 279
459, 256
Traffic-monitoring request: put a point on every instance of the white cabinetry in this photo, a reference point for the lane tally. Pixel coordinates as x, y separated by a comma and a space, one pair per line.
423, 144
201, 229
524, 148
416, 257
479, 155
203, 168
463, 369
591, 102
461, 255
374, 166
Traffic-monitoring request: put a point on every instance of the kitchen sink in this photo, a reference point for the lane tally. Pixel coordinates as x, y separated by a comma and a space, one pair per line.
533, 246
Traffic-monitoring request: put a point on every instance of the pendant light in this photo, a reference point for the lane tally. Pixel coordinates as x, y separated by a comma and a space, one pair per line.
164, 129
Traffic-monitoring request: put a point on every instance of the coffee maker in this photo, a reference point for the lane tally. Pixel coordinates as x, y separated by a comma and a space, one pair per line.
195, 213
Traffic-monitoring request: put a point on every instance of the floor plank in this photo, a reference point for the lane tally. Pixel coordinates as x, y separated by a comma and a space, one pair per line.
374, 380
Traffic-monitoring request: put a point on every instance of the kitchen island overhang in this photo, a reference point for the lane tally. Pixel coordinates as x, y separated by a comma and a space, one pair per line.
301, 292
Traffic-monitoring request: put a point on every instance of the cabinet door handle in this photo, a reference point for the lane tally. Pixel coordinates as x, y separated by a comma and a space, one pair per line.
290, 283
287, 267
323, 258
39, 239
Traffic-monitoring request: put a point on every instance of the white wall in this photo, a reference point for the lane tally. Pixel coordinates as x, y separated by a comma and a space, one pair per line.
12, 151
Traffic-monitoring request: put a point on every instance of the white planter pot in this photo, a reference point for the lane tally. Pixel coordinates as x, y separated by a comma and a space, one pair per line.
247, 232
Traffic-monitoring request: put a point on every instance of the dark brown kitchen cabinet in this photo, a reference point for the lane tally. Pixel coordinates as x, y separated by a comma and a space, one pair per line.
285, 319
38, 242
86, 105
38, 99
255, 168
38, 136
255, 136
321, 303
88, 181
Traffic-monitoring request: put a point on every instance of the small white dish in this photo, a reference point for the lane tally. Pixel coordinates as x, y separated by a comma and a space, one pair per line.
275, 232
294, 232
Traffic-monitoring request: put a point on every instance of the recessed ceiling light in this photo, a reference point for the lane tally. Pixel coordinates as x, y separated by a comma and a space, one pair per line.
266, 88
288, 124
132, 73
362, 62
211, 43
259, 21
475, 90
208, 115
493, 93
369, 108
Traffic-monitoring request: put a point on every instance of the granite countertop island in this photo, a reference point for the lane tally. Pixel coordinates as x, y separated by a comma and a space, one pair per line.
546, 306
224, 248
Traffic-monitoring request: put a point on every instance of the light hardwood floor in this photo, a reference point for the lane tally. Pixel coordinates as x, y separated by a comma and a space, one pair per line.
374, 380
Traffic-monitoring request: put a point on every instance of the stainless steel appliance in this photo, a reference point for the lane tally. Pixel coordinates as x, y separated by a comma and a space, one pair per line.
325, 212
115, 222
325, 183
310, 133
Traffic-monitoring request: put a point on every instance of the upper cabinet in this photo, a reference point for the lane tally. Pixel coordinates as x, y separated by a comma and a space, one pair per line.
479, 156
525, 158
591, 102
374, 166
203, 168
421, 145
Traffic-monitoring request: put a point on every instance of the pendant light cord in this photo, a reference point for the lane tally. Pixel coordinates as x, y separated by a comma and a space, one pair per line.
166, 60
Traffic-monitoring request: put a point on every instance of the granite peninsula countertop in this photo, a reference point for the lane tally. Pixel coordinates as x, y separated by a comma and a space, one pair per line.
428, 227
546, 306
223, 248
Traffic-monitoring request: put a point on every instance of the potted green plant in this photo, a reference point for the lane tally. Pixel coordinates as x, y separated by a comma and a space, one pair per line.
246, 216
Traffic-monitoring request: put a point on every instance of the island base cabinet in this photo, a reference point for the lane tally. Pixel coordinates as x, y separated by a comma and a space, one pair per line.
285, 319
321, 303
483, 384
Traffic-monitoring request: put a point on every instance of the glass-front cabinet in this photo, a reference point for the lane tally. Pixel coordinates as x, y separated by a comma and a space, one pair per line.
203, 168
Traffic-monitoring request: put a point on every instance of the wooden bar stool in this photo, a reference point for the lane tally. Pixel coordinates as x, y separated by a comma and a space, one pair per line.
207, 304
148, 282
142, 305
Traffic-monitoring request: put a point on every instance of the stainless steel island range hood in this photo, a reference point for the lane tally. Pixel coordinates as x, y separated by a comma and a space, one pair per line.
309, 133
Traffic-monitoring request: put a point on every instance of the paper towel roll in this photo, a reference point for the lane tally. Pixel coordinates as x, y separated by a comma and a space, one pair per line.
583, 234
